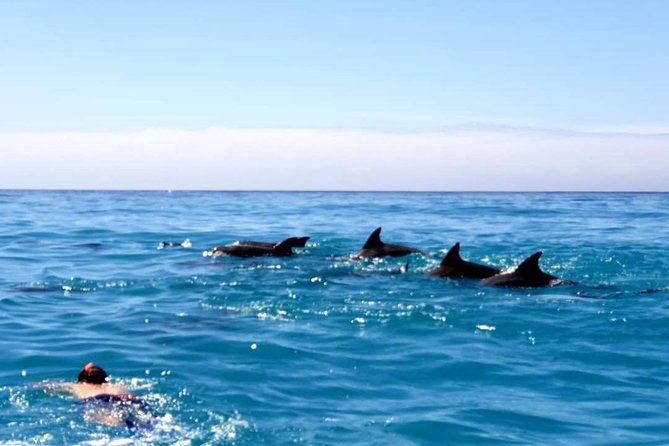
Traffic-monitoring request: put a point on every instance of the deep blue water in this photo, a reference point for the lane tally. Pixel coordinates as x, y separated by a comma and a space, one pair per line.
321, 349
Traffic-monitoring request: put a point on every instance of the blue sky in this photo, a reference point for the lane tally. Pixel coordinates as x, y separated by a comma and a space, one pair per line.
387, 67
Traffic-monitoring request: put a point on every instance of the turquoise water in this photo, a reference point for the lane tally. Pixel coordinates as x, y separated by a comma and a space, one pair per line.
320, 349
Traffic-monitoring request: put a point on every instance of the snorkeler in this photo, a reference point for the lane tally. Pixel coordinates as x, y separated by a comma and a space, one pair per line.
106, 403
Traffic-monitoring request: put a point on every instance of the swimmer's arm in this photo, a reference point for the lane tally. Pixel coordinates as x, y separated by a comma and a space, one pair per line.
55, 387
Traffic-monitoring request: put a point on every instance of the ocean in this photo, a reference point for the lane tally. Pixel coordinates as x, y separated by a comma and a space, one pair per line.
320, 349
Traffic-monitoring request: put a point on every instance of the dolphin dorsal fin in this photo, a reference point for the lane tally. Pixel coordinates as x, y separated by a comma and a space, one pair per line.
452, 257
284, 247
374, 240
300, 242
530, 265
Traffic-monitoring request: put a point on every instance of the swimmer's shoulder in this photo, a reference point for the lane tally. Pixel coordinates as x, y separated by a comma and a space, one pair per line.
83, 390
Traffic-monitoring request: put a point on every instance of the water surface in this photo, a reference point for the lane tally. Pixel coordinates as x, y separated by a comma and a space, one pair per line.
320, 349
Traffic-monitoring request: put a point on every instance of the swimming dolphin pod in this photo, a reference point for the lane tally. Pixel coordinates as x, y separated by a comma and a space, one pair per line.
374, 247
454, 266
527, 274
256, 249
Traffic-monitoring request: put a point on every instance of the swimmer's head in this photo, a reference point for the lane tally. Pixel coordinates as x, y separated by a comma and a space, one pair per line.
92, 374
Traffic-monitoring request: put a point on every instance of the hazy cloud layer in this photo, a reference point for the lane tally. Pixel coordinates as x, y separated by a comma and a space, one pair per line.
301, 159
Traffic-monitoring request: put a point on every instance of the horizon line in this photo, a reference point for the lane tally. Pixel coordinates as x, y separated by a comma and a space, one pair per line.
639, 130
519, 191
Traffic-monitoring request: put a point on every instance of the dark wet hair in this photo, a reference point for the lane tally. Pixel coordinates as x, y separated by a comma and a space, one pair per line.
92, 374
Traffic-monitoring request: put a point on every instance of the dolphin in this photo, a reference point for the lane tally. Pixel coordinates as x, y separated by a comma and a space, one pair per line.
454, 266
282, 249
374, 247
297, 242
527, 274
170, 244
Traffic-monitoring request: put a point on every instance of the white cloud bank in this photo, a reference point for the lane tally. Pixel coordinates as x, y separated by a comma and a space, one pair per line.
299, 159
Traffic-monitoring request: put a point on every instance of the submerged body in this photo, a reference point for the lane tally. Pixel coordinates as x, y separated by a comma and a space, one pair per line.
375, 247
527, 274
454, 266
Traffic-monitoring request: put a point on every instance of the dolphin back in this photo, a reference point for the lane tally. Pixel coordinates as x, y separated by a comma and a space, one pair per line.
453, 265
527, 274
